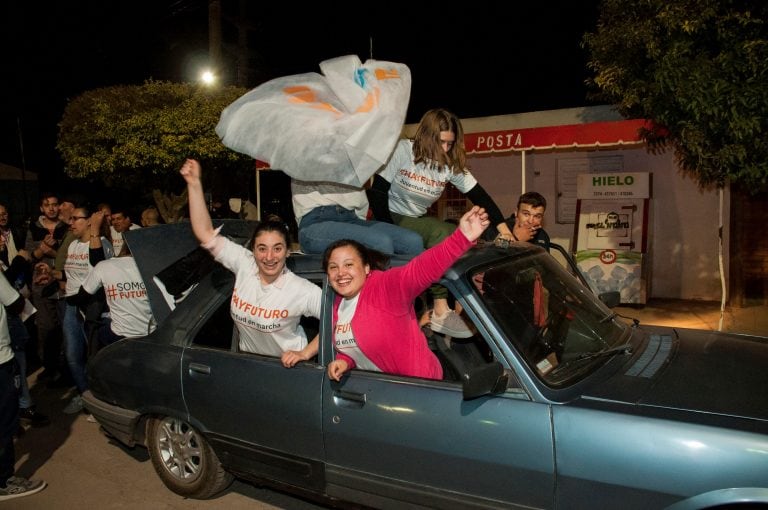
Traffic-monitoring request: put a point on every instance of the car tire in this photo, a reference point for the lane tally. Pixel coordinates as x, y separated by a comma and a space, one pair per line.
183, 459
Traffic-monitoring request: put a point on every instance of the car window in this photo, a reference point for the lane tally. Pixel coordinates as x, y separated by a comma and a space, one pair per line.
457, 356
548, 316
219, 331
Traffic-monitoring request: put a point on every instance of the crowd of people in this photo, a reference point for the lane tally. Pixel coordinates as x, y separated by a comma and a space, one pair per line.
71, 253
54, 312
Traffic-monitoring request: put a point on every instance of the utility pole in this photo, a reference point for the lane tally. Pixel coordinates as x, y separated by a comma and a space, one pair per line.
214, 35
243, 68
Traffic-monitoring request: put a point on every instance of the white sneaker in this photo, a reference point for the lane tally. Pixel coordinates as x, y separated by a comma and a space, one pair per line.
16, 487
75, 405
450, 324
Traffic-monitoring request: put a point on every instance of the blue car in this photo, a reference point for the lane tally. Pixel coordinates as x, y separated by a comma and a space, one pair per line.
555, 402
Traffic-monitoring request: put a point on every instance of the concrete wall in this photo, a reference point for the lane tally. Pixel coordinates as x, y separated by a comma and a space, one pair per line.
684, 226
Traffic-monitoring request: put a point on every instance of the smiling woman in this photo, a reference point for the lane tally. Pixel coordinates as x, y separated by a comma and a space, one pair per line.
269, 300
365, 323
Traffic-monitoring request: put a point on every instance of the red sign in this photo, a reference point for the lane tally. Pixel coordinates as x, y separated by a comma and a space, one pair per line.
607, 256
623, 132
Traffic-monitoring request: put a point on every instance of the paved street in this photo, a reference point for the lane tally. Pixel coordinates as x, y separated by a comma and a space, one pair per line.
85, 469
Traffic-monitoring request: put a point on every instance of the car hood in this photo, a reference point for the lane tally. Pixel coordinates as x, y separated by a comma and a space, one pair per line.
692, 370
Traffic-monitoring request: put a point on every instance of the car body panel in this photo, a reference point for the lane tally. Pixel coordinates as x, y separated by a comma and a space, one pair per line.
268, 424
137, 365
497, 447
609, 450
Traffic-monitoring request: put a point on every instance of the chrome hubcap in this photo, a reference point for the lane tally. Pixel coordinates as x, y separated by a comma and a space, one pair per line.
179, 447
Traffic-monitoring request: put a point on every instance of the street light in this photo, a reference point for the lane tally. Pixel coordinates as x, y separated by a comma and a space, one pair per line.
207, 77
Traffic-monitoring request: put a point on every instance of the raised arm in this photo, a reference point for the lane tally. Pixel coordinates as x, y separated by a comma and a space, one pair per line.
198, 212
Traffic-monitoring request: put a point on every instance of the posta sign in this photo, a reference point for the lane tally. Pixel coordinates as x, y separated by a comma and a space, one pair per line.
624, 132
593, 134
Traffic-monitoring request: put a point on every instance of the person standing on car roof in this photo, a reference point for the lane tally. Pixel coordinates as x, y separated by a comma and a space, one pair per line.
414, 178
268, 300
374, 321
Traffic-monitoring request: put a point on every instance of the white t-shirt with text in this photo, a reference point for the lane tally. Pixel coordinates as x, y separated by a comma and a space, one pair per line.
344, 337
267, 316
415, 187
126, 296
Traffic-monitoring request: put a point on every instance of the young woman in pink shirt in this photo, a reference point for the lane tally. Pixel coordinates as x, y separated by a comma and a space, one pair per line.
374, 321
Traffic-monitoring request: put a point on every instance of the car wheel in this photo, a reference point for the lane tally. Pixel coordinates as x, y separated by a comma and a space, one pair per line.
183, 459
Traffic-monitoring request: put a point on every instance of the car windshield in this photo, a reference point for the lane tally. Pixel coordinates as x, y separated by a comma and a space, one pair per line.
558, 326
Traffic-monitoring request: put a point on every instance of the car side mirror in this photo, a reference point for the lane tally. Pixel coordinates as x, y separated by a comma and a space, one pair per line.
610, 299
484, 380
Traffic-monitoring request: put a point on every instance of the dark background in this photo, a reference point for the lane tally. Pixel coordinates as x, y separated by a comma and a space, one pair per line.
483, 58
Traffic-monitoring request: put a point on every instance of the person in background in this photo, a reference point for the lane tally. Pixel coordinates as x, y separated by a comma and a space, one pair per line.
43, 242
10, 486
414, 179
11, 240
526, 223
327, 211
374, 321
121, 223
88, 249
67, 204
150, 217
126, 296
262, 282
18, 272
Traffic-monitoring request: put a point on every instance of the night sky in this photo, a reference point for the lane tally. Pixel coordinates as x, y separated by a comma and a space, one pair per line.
485, 58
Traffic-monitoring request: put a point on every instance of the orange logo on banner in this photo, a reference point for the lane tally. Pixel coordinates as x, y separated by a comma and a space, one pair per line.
371, 100
386, 74
301, 94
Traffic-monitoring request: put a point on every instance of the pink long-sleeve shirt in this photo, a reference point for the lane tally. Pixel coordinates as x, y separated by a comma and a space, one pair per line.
385, 325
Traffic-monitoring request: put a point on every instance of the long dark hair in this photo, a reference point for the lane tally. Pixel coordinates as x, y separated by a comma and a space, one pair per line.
371, 258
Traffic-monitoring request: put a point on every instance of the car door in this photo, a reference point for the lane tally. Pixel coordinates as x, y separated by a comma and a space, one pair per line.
261, 418
391, 438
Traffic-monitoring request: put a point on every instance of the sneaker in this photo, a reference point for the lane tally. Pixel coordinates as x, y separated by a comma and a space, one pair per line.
31, 416
16, 487
450, 324
75, 405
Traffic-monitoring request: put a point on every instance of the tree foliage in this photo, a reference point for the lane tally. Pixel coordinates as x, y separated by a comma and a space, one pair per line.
698, 69
138, 136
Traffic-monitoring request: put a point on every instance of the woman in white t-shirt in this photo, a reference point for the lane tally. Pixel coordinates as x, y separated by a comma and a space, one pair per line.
268, 299
414, 178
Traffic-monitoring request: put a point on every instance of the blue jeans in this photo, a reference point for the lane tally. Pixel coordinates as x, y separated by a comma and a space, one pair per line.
75, 345
324, 225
